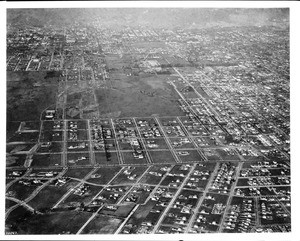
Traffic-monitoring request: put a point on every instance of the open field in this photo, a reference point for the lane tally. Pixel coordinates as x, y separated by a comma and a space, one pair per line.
9, 204
21, 191
11, 128
46, 160
15, 160
85, 198
24, 137
140, 97
130, 175
28, 94
102, 224
51, 136
18, 148
192, 156
78, 173
102, 159
121, 210
53, 148
78, 158
65, 222
104, 175
162, 157
49, 195
155, 174
129, 158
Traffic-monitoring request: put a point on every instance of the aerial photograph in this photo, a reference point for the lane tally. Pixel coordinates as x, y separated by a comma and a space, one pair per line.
147, 121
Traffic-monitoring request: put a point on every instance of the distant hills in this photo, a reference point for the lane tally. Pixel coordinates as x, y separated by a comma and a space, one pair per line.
150, 17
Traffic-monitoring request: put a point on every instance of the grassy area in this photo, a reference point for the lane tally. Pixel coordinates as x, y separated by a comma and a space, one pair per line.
193, 156
15, 160
49, 196
102, 225
78, 172
160, 142
13, 148
24, 137
162, 157
80, 158
28, 94
67, 222
156, 176
211, 154
175, 142
11, 128
9, 203
137, 96
21, 191
141, 213
129, 158
101, 158
134, 172
226, 156
51, 136
54, 147
85, 198
105, 175
122, 211
46, 160
71, 144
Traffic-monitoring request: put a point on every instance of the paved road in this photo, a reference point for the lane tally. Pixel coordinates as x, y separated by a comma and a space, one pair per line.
126, 219
36, 191
65, 138
89, 137
89, 220
168, 141
196, 209
121, 161
64, 197
133, 185
33, 194
163, 215
8, 185
149, 159
19, 203
237, 173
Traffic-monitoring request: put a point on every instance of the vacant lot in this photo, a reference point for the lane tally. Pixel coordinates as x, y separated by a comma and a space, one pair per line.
162, 157
46, 160
155, 174
104, 174
102, 225
129, 158
15, 160
78, 158
20, 191
78, 172
24, 137
102, 159
85, 198
137, 96
67, 222
193, 156
9, 203
11, 128
28, 94
124, 177
49, 195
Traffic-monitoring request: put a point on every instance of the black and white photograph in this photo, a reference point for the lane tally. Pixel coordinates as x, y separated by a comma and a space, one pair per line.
147, 121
